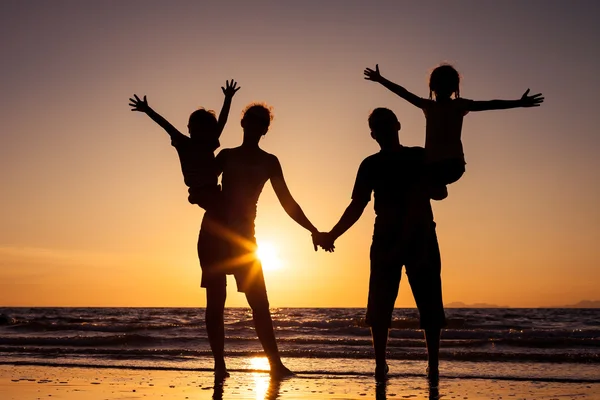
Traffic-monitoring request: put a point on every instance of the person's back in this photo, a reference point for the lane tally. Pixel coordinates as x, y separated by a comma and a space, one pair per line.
227, 242
245, 172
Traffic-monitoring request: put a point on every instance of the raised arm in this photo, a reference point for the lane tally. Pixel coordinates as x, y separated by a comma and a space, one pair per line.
375, 76
229, 91
142, 106
525, 101
285, 198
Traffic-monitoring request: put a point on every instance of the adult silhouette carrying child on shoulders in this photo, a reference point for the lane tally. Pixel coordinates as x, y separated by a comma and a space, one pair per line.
404, 235
445, 161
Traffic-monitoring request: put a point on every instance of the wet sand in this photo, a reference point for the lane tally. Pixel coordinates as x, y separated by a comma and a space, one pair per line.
42, 382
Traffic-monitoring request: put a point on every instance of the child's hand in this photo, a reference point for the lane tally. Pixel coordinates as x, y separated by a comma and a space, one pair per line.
371, 75
531, 101
139, 105
230, 88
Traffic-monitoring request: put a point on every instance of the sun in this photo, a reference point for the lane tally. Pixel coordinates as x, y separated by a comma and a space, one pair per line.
268, 256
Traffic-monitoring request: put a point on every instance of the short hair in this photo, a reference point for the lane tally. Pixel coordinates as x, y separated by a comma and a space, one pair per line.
206, 119
444, 78
260, 112
382, 118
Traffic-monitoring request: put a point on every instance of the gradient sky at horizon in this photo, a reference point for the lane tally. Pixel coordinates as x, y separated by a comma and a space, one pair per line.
94, 211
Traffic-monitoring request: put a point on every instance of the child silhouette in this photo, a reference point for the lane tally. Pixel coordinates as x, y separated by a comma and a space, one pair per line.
445, 161
196, 152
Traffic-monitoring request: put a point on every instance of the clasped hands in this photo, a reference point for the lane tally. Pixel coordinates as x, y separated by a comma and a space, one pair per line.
324, 240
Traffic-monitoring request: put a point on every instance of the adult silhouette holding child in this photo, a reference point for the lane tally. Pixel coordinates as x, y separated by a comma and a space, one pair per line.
226, 243
404, 235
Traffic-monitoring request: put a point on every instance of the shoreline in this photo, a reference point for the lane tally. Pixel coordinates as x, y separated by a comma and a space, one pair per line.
305, 374
21, 382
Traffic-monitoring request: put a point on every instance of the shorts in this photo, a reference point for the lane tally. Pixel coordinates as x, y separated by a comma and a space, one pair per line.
420, 255
225, 251
445, 172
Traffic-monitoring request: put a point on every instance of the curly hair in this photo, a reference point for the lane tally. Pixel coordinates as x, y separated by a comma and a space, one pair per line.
260, 112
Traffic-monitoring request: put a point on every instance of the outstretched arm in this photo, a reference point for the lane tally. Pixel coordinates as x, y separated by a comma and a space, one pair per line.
375, 76
142, 106
285, 198
229, 91
525, 101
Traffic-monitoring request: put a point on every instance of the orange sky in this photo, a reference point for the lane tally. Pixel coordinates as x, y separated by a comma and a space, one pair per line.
94, 211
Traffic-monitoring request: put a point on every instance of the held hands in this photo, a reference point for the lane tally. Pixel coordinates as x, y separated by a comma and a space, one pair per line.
531, 101
371, 75
324, 240
139, 105
230, 88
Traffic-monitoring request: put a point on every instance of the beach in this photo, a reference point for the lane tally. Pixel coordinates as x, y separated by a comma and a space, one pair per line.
130, 353
42, 382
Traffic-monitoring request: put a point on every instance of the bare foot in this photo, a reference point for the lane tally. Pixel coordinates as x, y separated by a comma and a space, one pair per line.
280, 372
221, 372
381, 373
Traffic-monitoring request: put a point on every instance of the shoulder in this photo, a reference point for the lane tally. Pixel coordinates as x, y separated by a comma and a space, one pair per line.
464, 105
180, 140
369, 163
224, 153
271, 161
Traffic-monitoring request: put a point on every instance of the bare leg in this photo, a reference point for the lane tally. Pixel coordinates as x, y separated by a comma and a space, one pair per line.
258, 301
380, 337
215, 327
432, 338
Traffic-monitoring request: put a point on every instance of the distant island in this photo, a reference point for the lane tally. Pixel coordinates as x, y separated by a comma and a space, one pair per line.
582, 304
460, 304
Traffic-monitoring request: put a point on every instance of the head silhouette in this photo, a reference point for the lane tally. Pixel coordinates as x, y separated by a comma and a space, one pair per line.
256, 119
444, 82
202, 125
384, 127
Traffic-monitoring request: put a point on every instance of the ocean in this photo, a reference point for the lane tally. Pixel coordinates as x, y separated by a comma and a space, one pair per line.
557, 344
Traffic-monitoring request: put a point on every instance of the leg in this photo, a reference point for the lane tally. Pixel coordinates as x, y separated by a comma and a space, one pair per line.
379, 333
432, 338
423, 272
215, 326
210, 252
256, 294
384, 283
441, 174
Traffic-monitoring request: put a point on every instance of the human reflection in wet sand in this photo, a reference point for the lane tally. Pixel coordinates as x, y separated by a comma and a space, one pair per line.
266, 387
381, 390
273, 390
219, 388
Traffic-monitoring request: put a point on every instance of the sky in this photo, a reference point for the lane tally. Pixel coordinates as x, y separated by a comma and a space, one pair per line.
94, 210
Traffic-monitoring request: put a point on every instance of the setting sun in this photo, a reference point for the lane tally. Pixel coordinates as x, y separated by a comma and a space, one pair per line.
268, 256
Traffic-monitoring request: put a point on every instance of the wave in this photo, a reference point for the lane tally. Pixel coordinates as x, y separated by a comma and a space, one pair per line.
134, 339
319, 353
308, 374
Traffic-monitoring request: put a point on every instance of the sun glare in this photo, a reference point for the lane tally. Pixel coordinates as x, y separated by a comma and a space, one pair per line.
261, 380
268, 256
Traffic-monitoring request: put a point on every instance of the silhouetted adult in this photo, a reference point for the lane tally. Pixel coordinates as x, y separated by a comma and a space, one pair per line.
226, 243
404, 235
